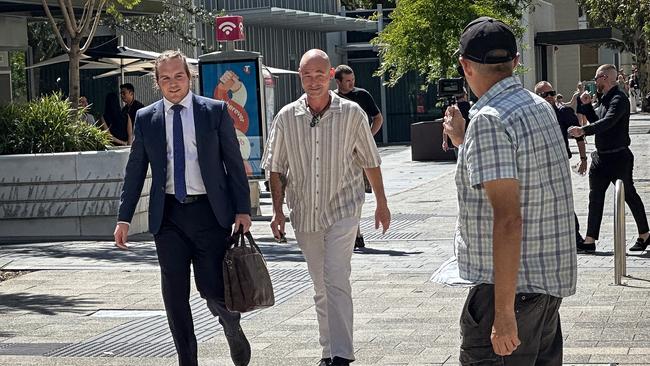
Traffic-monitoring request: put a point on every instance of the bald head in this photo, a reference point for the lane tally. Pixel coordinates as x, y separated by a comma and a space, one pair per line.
315, 74
315, 56
610, 71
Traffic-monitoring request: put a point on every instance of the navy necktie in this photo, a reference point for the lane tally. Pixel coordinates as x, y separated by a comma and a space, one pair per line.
180, 189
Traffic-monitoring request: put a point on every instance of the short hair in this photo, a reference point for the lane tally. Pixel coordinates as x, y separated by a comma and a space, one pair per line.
128, 86
342, 70
168, 55
610, 70
504, 68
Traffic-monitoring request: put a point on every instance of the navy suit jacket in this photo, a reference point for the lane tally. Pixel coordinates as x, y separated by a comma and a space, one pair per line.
219, 159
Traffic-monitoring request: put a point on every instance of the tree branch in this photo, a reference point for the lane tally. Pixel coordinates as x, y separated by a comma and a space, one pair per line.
55, 27
82, 20
98, 16
89, 16
66, 18
71, 15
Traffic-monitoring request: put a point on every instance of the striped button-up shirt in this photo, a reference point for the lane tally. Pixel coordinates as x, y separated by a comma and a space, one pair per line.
514, 134
323, 164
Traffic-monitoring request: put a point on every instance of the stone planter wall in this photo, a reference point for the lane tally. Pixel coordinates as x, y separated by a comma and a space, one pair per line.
65, 196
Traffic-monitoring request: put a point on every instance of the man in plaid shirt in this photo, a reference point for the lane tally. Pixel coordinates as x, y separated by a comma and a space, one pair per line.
515, 234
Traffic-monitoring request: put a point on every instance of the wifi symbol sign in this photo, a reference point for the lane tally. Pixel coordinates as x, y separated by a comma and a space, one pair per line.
227, 27
230, 28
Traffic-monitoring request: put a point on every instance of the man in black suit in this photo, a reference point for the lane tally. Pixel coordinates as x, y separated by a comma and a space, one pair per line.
613, 159
198, 190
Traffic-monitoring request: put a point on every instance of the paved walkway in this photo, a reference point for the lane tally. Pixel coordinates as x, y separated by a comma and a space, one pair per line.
89, 304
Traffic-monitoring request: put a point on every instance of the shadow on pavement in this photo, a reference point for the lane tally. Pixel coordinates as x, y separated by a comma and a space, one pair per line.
276, 252
392, 253
598, 254
42, 304
139, 253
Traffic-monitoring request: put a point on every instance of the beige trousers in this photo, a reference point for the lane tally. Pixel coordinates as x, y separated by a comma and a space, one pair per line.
328, 254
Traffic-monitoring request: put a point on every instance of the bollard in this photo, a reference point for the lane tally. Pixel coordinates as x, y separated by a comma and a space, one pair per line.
620, 269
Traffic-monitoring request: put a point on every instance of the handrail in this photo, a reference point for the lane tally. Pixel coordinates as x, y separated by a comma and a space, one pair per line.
620, 265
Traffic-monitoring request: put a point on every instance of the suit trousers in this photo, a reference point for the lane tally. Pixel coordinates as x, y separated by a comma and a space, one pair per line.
538, 328
191, 235
328, 254
606, 169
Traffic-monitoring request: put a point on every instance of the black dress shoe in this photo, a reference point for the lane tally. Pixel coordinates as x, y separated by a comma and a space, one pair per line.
640, 245
240, 349
586, 248
339, 361
359, 243
325, 362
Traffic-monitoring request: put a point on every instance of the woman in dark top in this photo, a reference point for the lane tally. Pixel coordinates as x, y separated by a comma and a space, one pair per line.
117, 123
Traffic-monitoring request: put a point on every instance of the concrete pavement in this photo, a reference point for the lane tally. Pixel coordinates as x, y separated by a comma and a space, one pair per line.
86, 303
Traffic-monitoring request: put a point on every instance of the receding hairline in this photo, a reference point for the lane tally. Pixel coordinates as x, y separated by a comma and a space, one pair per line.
541, 84
315, 54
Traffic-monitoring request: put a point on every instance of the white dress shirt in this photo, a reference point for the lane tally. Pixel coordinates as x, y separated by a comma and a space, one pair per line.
193, 179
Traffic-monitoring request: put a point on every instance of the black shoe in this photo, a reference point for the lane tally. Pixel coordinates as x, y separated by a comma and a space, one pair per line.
240, 349
338, 361
325, 362
640, 245
586, 248
359, 243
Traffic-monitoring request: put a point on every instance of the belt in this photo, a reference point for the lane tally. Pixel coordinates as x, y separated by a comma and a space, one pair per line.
611, 151
190, 198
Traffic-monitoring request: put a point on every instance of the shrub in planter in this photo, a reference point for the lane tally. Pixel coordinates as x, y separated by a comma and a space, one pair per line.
47, 125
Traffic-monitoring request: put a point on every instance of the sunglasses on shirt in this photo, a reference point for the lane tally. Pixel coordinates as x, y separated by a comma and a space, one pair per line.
314, 121
551, 93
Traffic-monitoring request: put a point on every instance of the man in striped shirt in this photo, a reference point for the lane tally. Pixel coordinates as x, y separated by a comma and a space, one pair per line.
515, 235
321, 143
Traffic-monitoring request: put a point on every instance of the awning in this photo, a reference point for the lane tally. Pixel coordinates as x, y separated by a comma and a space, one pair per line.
358, 47
304, 20
578, 36
277, 71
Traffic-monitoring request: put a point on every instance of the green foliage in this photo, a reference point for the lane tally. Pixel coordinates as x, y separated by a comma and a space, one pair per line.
45, 126
18, 76
42, 40
632, 18
423, 34
178, 17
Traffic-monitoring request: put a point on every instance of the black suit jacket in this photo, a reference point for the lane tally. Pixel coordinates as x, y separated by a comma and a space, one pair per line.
219, 159
611, 124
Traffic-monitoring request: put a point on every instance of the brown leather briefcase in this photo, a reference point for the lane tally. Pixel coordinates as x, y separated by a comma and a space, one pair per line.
246, 279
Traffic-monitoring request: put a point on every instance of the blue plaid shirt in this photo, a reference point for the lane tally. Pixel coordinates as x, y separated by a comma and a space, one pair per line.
513, 134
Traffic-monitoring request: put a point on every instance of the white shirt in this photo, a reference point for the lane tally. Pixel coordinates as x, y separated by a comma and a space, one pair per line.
193, 179
323, 164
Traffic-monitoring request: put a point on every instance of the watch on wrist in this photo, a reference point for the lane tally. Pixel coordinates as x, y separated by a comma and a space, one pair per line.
583, 158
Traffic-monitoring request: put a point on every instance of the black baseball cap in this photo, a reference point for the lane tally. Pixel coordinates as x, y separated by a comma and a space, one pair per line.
486, 34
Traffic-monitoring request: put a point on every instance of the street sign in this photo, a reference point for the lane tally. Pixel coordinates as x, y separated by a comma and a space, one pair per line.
230, 28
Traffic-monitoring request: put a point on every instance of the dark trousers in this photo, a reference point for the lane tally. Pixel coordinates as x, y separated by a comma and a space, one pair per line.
578, 236
538, 326
606, 169
190, 234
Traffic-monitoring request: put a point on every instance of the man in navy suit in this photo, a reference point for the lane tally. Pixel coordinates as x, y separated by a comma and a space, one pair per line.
198, 190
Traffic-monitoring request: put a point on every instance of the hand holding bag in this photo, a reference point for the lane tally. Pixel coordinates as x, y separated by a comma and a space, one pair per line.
246, 279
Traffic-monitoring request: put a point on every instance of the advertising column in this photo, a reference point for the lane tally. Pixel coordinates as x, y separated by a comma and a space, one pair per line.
235, 76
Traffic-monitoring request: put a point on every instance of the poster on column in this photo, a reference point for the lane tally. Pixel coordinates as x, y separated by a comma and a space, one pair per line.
237, 83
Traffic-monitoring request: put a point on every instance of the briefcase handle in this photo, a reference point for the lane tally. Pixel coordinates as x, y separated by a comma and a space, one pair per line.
239, 240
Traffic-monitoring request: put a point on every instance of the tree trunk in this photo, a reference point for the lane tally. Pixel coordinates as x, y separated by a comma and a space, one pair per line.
73, 74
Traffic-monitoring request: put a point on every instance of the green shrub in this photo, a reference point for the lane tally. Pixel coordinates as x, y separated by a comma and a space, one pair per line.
47, 125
